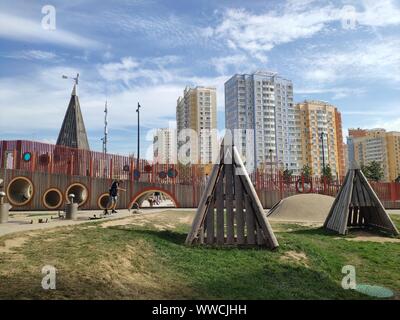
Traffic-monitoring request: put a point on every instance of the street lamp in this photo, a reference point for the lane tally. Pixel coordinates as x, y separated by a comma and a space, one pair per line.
270, 159
138, 135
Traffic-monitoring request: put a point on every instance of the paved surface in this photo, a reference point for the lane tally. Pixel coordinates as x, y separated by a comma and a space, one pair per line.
21, 221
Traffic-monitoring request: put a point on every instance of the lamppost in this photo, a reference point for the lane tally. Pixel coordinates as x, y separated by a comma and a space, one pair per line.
270, 159
138, 135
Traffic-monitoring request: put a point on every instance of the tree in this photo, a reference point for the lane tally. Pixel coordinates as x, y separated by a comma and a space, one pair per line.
287, 175
373, 171
327, 173
306, 171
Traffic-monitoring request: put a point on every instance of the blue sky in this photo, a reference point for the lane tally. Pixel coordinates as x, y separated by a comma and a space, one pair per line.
148, 51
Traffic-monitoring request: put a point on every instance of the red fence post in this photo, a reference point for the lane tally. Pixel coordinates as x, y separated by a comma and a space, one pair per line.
393, 191
111, 169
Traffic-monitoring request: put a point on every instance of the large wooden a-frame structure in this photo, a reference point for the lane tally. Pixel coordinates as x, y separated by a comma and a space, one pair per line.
357, 206
73, 132
230, 212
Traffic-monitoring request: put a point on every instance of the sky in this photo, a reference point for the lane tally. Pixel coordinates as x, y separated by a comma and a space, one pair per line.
128, 51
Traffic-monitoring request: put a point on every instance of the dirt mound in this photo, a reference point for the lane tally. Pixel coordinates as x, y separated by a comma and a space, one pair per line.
302, 208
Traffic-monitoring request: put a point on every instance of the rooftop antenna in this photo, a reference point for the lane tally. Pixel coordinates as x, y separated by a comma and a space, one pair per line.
105, 138
76, 79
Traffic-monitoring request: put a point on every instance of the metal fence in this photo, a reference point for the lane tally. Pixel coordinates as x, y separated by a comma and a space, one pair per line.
41, 157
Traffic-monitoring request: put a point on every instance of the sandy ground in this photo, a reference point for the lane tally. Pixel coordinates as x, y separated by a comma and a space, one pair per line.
303, 208
20, 222
361, 235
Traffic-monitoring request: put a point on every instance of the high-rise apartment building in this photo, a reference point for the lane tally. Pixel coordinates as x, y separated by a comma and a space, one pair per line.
197, 110
164, 146
321, 135
260, 105
376, 145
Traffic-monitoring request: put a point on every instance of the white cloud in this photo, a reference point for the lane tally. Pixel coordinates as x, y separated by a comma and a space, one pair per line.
379, 13
151, 70
338, 92
32, 55
376, 59
168, 30
390, 125
259, 33
27, 30
232, 64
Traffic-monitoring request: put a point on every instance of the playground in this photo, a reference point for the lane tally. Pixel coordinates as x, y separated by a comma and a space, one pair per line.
144, 256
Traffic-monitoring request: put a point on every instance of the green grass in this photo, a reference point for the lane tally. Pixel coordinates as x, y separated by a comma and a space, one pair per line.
140, 261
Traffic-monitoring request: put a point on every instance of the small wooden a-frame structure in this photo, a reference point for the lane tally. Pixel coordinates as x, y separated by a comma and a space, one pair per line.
357, 206
230, 212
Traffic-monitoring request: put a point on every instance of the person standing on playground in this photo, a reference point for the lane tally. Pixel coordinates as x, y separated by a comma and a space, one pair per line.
113, 196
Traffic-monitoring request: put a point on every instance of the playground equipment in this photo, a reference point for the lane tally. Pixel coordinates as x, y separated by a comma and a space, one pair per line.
102, 201
52, 199
4, 207
20, 191
71, 209
229, 187
358, 206
309, 207
79, 191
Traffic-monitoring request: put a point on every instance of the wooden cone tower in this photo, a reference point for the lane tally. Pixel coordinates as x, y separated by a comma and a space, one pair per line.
230, 212
357, 206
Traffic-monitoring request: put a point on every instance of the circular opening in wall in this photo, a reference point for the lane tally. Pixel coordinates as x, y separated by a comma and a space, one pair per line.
102, 201
52, 199
80, 192
20, 191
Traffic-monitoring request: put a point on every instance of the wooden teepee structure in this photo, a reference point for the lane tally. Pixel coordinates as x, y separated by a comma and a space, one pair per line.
357, 206
230, 212
73, 132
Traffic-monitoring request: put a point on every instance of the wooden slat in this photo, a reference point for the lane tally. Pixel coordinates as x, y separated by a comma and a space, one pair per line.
351, 214
229, 189
259, 210
354, 198
368, 200
359, 192
334, 219
203, 205
387, 221
210, 222
250, 226
239, 214
220, 210
260, 236
329, 218
346, 204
